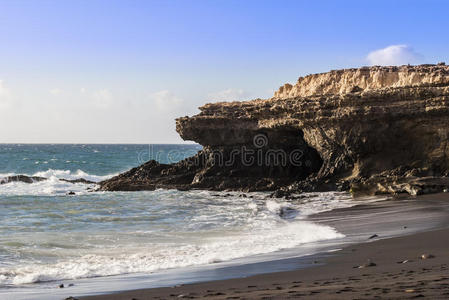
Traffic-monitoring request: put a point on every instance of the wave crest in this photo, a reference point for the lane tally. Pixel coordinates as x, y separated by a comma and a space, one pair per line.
54, 185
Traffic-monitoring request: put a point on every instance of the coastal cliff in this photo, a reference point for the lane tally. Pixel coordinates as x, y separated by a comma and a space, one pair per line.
369, 130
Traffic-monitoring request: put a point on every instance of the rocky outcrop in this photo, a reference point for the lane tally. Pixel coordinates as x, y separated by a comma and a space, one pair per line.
79, 180
21, 178
369, 130
34, 179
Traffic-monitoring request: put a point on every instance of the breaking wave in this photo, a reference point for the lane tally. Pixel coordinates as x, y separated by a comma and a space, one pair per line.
53, 185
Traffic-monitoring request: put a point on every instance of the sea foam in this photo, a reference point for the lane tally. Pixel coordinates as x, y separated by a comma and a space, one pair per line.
53, 185
156, 257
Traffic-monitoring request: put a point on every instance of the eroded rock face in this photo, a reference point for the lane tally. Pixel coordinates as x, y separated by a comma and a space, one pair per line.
233, 167
373, 129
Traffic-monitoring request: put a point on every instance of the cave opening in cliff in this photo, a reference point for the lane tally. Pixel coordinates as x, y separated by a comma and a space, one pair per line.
287, 154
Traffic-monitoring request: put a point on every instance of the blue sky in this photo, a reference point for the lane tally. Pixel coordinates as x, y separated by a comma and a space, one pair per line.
121, 71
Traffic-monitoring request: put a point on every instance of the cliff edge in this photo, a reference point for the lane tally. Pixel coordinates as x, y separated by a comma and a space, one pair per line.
369, 130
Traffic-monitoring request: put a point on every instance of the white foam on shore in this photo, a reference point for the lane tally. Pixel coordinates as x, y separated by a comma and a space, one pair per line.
157, 257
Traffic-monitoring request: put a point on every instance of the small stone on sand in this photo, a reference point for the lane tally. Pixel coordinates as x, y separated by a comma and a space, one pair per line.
404, 261
369, 263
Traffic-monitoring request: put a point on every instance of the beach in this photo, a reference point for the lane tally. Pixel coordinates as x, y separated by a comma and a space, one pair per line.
391, 268
337, 278
60, 238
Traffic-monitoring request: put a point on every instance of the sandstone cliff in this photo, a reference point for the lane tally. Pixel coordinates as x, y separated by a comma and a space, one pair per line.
371, 130
366, 78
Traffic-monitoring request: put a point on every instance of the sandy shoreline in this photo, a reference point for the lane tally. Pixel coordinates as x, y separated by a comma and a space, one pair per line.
335, 277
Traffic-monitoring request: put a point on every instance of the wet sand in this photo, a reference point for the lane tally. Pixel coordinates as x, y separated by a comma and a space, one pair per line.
390, 269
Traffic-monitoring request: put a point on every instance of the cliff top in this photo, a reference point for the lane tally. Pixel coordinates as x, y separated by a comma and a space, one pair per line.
365, 78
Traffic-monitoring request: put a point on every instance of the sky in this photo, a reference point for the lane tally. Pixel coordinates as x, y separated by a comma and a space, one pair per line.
91, 71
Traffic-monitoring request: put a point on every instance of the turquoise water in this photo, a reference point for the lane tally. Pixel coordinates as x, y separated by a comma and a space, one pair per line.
47, 235
91, 159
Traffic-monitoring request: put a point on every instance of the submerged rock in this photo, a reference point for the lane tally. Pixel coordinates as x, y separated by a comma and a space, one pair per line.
288, 213
371, 130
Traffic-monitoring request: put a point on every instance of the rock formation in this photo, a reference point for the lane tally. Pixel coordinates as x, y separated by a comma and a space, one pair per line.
21, 178
34, 179
369, 130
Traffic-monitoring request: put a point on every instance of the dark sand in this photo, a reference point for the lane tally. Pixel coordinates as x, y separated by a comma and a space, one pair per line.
337, 276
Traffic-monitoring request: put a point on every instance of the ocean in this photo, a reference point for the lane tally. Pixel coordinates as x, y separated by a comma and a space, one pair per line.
49, 236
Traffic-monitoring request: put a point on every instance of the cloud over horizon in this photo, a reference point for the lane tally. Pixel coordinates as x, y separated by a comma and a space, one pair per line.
165, 100
56, 91
5, 95
102, 98
394, 55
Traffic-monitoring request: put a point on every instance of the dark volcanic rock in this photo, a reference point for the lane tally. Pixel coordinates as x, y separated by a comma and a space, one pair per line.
21, 178
152, 175
368, 130
33, 179
80, 180
213, 169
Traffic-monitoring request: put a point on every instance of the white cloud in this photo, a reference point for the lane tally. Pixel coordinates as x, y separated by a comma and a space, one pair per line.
229, 95
5, 96
394, 55
102, 98
55, 91
166, 100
